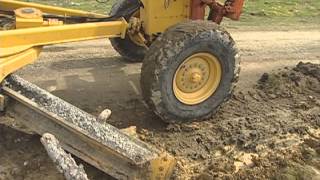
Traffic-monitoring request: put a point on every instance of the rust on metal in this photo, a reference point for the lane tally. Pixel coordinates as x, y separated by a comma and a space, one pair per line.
231, 9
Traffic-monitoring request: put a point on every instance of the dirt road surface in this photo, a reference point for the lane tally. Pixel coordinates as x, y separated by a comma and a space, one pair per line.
92, 76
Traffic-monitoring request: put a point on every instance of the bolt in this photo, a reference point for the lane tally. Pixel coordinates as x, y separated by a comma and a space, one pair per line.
27, 10
161, 168
196, 77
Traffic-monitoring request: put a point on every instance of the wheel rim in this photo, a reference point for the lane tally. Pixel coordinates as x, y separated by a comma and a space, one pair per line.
197, 78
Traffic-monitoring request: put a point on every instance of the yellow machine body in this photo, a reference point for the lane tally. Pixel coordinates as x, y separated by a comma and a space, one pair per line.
22, 46
158, 15
9, 5
37, 25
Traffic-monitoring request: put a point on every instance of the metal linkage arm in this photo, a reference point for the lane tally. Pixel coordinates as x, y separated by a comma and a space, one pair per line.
22, 46
11, 5
231, 9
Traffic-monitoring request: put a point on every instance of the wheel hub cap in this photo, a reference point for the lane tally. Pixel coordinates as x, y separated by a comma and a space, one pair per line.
196, 77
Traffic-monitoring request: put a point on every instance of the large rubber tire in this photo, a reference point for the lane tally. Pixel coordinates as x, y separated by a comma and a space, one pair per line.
130, 51
169, 51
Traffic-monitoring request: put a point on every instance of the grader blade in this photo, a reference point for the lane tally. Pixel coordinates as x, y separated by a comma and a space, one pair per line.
101, 145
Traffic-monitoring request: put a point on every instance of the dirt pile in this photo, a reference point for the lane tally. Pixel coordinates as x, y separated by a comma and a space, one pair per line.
29, 163
302, 80
270, 131
261, 133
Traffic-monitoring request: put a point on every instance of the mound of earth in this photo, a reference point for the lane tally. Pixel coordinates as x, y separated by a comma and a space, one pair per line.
271, 131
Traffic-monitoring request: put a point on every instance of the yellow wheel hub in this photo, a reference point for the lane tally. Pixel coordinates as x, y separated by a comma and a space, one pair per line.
197, 78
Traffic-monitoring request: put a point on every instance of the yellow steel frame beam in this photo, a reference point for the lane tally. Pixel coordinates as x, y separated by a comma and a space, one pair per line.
10, 5
15, 41
22, 46
12, 63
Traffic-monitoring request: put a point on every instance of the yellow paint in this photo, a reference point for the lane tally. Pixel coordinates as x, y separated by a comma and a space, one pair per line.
197, 78
16, 41
11, 5
22, 46
27, 23
158, 15
52, 22
28, 13
28, 17
162, 167
12, 63
33, 32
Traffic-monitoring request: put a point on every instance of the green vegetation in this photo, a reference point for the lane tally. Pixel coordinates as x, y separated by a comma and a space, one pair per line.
256, 12
270, 8
88, 5
282, 8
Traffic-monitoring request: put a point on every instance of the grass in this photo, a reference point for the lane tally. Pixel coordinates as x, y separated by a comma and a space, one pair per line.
269, 13
278, 15
282, 8
88, 5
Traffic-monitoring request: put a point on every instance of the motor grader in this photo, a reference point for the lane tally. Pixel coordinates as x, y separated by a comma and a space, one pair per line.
190, 65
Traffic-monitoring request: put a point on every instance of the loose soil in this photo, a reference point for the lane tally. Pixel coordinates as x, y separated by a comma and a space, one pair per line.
265, 132
268, 130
